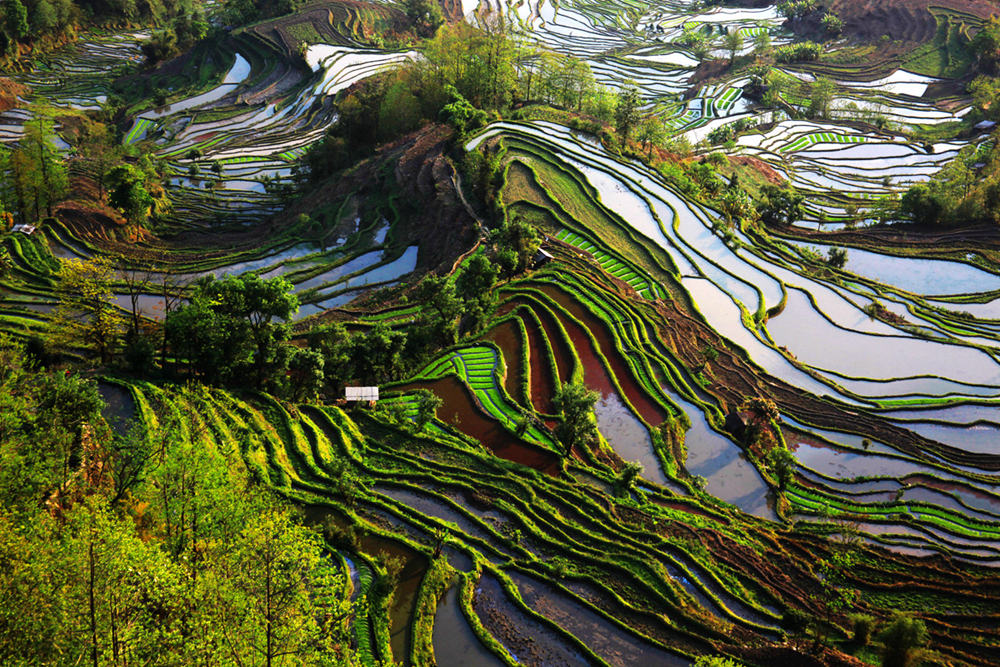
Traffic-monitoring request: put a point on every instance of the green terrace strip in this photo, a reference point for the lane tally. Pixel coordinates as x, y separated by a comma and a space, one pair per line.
481, 368
138, 131
613, 265
820, 137
642, 591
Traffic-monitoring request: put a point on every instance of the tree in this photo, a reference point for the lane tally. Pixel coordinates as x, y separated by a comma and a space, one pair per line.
438, 293
521, 237
427, 405
98, 149
733, 41
781, 463
306, 373
234, 325
837, 257
627, 111
39, 172
578, 428
820, 96
651, 133
476, 281
137, 283
921, 204
716, 661
425, 14
88, 314
762, 43
378, 354
986, 45
129, 194
628, 475
277, 589
461, 114
779, 206
863, 626
985, 91
902, 640
16, 19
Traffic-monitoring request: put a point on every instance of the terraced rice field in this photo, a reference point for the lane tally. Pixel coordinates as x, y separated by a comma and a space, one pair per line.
886, 373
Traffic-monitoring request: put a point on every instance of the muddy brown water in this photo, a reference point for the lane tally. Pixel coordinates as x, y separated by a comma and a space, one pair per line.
543, 385
649, 410
560, 347
508, 339
459, 402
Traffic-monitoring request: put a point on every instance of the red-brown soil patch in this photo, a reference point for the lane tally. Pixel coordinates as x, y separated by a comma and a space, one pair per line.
906, 22
508, 339
9, 91
461, 410
649, 410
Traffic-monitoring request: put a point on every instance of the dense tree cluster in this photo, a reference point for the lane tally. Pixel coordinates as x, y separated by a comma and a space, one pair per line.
966, 190
146, 546
235, 331
33, 176
466, 73
26, 21
187, 28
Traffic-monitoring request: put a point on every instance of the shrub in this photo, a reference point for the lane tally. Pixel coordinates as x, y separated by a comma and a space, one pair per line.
832, 24
863, 626
793, 9
902, 640
802, 51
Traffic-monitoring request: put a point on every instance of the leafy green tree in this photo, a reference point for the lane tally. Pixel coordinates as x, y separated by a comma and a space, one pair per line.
438, 293
234, 325
306, 373
277, 591
781, 463
44, 418
88, 315
129, 192
38, 169
461, 114
820, 97
379, 354
779, 206
427, 405
716, 661
832, 23
399, 112
902, 641
628, 475
922, 205
652, 133
863, 626
837, 257
986, 45
733, 42
476, 281
627, 111
519, 236
575, 404
762, 43
425, 14
98, 149
16, 19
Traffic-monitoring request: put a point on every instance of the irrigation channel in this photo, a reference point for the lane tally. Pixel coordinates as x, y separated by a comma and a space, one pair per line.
541, 566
